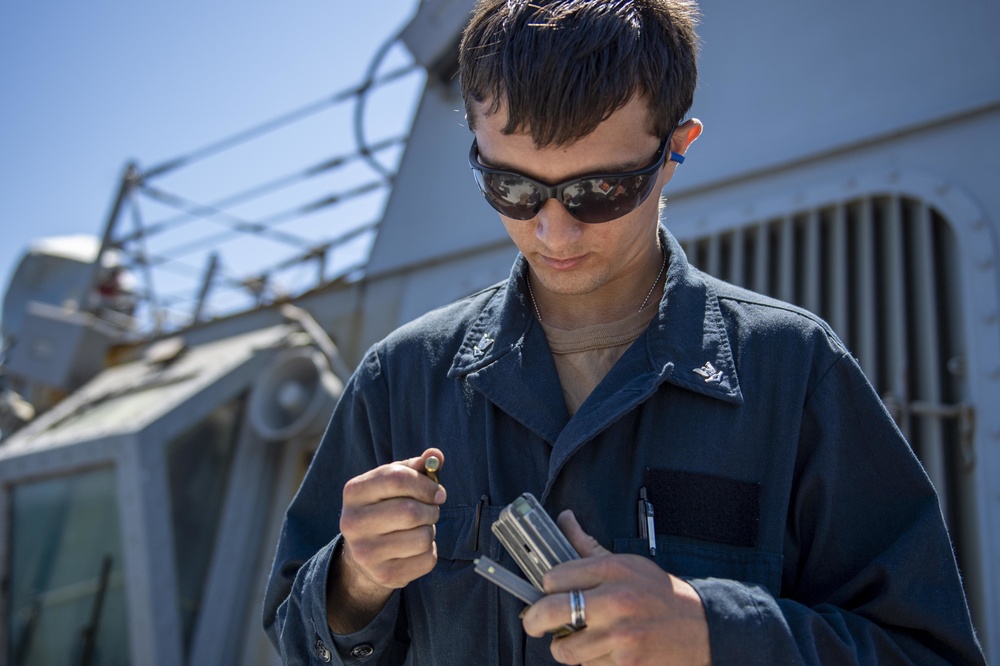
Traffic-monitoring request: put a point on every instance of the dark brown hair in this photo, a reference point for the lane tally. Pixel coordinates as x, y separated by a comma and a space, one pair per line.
561, 67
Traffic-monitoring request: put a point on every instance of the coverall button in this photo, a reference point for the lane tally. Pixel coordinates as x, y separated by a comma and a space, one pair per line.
322, 652
363, 650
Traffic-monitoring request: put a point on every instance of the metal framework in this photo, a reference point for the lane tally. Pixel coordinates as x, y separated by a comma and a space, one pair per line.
196, 260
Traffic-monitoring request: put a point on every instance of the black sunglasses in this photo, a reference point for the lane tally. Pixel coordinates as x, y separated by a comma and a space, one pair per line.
592, 199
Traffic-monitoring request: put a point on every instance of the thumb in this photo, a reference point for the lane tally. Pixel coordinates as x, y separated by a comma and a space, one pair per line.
419, 464
585, 544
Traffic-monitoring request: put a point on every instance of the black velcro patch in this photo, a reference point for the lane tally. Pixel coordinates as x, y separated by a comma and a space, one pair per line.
704, 507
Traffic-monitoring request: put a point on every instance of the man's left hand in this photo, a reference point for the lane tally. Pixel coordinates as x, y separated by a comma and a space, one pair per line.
636, 613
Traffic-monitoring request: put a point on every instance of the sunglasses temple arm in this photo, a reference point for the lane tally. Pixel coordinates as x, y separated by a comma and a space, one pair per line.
676, 157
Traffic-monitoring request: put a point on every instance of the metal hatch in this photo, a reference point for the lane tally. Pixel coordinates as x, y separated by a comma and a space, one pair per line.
888, 260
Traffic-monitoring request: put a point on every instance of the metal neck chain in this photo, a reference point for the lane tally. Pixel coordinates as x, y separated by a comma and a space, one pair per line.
538, 314
663, 267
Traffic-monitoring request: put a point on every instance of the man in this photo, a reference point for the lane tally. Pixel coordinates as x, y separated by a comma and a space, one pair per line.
792, 522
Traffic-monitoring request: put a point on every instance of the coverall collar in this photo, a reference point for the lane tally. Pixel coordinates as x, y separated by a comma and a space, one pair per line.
505, 354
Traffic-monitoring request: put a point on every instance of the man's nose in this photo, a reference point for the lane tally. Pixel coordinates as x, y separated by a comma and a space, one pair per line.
555, 227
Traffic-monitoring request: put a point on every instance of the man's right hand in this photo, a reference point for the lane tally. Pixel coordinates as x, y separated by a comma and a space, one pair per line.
387, 524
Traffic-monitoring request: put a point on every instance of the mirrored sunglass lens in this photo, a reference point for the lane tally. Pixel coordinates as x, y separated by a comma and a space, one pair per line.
511, 195
604, 199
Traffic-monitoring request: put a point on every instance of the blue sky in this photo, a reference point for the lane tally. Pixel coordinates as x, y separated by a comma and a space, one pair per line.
88, 86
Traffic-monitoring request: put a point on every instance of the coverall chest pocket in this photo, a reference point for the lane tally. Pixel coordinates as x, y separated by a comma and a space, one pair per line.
694, 560
463, 533
453, 595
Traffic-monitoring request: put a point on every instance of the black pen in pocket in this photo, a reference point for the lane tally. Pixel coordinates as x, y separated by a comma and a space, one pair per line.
647, 528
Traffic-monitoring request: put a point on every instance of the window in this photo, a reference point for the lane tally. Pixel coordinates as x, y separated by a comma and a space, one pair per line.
67, 587
198, 464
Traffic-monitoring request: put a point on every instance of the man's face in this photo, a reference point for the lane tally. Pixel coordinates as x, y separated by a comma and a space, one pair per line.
569, 257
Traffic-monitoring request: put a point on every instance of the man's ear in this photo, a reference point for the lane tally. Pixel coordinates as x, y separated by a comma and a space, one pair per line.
685, 134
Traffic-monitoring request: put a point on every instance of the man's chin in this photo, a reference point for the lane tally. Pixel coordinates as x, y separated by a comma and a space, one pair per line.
566, 285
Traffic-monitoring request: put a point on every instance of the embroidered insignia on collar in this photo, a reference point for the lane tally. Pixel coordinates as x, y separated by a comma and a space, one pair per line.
709, 373
484, 343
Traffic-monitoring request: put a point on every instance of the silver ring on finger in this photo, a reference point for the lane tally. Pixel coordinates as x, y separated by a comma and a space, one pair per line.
577, 610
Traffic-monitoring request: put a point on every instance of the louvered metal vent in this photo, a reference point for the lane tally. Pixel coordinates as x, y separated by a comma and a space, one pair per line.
882, 271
